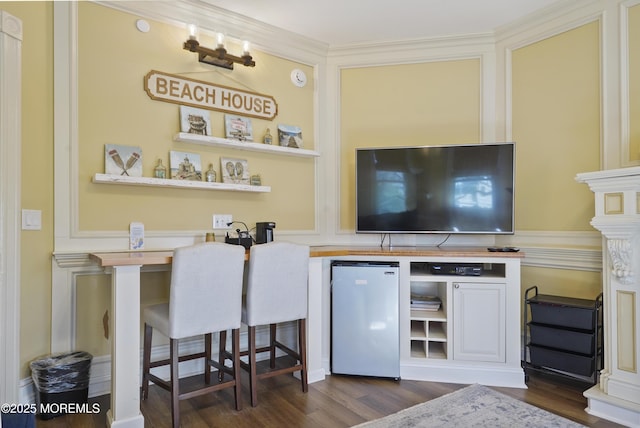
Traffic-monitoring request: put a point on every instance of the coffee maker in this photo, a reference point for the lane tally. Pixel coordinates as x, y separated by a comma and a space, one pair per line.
264, 232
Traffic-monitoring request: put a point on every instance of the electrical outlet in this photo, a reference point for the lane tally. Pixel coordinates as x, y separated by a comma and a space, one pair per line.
220, 221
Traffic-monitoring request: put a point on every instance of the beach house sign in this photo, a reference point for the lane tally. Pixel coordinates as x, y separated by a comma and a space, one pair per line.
196, 93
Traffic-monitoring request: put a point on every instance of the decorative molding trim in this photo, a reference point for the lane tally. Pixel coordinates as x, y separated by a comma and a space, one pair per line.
210, 19
626, 305
412, 51
10, 203
614, 203
558, 250
10, 25
560, 17
621, 253
563, 258
625, 119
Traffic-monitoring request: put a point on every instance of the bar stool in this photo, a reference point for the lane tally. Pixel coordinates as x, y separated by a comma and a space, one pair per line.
205, 297
276, 292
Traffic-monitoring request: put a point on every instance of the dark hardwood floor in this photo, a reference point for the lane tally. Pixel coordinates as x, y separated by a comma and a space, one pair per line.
338, 401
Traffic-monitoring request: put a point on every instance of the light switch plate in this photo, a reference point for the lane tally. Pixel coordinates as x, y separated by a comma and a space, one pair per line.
31, 220
220, 221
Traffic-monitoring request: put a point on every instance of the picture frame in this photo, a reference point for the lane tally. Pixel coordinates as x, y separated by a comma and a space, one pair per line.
238, 127
122, 160
195, 120
290, 136
234, 170
185, 166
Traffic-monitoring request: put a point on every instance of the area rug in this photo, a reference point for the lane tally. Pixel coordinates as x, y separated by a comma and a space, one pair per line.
473, 406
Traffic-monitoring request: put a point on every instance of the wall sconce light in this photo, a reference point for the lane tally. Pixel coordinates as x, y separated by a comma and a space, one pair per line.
218, 56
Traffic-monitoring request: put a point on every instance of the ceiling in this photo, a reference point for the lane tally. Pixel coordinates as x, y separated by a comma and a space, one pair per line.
346, 22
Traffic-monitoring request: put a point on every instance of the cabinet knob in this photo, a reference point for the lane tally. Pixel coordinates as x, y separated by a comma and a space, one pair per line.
456, 285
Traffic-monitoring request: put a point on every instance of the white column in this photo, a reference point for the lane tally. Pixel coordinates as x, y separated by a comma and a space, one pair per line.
617, 198
10, 173
315, 319
125, 348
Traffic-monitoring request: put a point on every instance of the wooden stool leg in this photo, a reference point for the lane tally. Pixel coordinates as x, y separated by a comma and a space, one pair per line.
272, 345
207, 358
252, 366
146, 360
302, 349
222, 351
236, 367
175, 387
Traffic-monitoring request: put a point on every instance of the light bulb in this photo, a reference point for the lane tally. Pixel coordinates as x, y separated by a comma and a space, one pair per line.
220, 40
193, 32
246, 47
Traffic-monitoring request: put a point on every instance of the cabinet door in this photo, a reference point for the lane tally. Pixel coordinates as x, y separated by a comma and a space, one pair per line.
479, 322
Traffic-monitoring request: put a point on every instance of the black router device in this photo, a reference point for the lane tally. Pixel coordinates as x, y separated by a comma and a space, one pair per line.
243, 239
465, 269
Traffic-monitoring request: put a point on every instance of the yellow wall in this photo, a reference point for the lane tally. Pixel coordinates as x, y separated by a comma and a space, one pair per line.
93, 301
556, 125
404, 105
634, 83
114, 109
562, 282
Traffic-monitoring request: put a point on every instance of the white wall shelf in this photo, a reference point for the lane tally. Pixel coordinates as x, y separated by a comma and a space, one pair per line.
184, 184
205, 140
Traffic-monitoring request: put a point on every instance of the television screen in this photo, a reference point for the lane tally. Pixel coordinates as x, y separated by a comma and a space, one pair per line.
436, 189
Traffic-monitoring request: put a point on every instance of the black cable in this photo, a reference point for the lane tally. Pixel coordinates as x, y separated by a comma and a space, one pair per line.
238, 230
445, 240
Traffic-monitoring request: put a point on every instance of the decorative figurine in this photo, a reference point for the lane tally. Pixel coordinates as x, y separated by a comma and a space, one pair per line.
160, 171
211, 174
268, 139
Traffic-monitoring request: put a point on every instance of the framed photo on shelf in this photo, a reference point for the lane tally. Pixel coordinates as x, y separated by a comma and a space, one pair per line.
234, 170
122, 160
195, 120
238, 127
290, 136
185, 166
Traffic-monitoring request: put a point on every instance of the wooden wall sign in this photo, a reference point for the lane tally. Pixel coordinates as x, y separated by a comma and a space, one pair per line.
180, 90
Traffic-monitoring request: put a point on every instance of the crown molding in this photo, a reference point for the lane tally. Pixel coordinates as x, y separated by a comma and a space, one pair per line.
210, 18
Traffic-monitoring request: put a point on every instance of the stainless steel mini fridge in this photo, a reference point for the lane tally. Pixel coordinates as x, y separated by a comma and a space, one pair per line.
365, 335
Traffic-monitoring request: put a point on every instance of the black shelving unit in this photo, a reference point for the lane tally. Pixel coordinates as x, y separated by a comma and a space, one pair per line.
563, 336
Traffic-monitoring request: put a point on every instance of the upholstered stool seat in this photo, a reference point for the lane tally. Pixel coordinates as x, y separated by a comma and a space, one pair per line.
276, 292
205, 297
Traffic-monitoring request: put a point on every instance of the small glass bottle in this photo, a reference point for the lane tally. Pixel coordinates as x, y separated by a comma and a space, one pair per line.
267, 137
210, 174
160, 171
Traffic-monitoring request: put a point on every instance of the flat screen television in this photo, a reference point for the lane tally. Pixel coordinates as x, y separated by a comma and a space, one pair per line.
457, 189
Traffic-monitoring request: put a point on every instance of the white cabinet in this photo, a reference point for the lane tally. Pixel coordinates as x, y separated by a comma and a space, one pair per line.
474, 336
469, 325
479, 321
